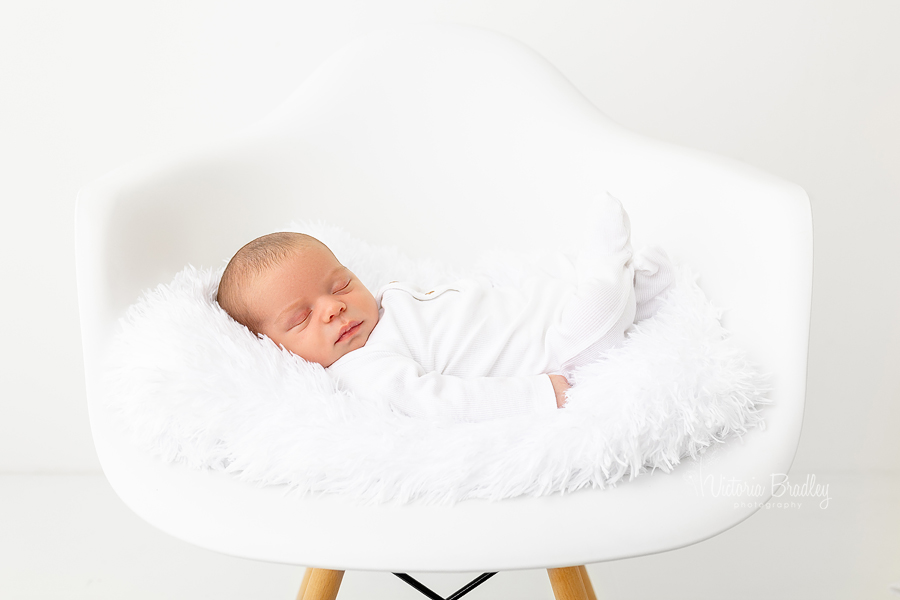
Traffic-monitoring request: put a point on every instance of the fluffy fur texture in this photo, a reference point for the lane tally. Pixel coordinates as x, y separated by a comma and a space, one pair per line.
194, 386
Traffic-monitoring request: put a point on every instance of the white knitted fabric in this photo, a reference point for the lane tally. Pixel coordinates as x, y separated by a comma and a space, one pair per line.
474, 351
193, 386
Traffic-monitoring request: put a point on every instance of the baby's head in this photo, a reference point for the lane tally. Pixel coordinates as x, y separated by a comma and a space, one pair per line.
291, 288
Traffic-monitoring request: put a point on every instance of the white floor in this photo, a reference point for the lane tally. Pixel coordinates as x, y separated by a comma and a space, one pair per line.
68, 536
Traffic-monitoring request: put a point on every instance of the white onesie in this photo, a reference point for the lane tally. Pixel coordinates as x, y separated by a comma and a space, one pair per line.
473, 351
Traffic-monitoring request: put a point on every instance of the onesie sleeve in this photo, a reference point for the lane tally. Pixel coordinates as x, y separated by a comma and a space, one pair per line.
409, 389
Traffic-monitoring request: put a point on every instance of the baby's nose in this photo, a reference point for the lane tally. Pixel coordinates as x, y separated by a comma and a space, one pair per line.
334, 308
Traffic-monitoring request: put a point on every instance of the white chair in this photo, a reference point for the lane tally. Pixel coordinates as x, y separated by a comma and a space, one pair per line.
443, 141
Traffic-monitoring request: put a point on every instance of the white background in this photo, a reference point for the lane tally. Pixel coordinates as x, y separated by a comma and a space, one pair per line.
808, 90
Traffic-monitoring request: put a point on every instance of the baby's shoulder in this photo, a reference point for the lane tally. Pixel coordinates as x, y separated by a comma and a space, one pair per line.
405, 289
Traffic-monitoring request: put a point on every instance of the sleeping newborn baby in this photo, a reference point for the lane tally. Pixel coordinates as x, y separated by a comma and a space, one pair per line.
466, 351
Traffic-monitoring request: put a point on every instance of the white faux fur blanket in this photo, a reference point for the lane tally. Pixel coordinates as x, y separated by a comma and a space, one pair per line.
192, 385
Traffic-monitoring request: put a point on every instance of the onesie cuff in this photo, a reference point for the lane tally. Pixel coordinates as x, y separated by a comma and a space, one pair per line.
544, 395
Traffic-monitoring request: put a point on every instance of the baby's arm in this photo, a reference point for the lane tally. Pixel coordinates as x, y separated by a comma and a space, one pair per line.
410, 389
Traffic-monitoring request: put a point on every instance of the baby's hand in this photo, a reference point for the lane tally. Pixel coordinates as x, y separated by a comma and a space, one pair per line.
560, 385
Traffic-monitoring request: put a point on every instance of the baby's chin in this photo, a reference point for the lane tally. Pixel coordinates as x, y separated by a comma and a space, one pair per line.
356, 343
342, 355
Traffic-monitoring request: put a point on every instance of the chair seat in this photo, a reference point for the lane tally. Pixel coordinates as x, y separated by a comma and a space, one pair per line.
446, 141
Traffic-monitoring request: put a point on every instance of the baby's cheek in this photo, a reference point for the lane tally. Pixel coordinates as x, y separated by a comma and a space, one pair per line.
300, 349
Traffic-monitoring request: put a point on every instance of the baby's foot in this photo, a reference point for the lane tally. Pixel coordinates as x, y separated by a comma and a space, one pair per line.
609, 236
610, 226
654, 275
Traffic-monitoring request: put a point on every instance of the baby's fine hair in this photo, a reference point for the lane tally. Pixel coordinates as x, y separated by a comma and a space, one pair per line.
252, 260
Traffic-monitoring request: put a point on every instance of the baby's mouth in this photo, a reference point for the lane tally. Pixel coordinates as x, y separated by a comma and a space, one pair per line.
348, 330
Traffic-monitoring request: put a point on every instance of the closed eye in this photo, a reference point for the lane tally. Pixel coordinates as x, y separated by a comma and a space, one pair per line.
301, 321
344, 287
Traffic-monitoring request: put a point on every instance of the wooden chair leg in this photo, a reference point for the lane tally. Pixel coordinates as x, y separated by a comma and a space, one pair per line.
304, 583
567, 583
586, 580
320, 584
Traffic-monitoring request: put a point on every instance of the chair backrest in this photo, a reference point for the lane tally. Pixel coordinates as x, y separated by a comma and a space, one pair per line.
445, 141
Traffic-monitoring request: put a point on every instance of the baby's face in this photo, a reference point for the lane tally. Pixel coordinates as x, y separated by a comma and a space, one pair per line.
314, 306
